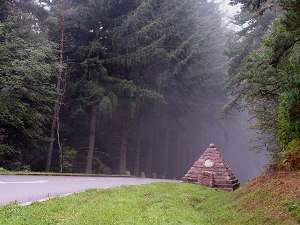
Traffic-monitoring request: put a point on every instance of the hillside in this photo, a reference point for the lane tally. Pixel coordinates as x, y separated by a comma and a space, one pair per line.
273, 196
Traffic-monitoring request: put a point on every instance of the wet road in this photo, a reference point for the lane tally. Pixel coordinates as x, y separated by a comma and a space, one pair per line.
26, 189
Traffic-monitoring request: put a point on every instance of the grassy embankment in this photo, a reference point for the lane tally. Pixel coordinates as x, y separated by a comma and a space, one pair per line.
270, 199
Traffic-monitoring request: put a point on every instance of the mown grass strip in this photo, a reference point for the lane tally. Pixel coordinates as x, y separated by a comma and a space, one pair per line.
156, 203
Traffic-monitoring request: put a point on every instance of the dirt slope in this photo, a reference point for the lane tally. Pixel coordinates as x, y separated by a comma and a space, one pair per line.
274, 196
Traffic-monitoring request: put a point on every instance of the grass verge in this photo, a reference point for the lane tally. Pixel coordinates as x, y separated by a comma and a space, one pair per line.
156, 203
268, 200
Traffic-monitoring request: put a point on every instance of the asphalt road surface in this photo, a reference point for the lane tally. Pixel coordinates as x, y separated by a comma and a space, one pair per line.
26, 189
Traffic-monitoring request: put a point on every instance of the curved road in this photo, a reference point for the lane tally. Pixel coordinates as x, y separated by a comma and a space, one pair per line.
26, 189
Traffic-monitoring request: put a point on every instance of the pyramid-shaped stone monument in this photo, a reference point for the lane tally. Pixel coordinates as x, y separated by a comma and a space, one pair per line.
211, 170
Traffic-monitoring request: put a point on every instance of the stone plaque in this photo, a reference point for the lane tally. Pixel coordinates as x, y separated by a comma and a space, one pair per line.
209, 163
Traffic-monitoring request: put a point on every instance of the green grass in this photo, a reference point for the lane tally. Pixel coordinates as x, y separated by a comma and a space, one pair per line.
156, 203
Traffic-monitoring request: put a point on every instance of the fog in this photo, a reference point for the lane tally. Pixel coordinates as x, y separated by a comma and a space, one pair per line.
172, 152
237, 151
232, 140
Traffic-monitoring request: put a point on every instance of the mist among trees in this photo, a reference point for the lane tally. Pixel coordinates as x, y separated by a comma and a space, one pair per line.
94, 86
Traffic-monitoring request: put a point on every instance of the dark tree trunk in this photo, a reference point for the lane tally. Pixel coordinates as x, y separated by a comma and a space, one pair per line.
123, 149
184, 153
166, 151
157, 160
52, 133
149, 159
56, 107
178, 156
137, 155
92, 134
124, 136
89, 159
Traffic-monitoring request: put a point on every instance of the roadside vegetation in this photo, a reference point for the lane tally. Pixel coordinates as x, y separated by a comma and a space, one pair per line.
26, 172
269, 199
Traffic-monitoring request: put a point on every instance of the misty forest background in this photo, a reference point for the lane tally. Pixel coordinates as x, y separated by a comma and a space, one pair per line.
109, 86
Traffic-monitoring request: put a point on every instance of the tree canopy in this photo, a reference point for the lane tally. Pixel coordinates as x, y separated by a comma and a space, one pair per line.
128, 84
27, 65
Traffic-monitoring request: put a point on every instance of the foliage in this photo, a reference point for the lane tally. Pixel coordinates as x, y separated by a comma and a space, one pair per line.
271, 78
239, 46
68, 158
257, 8
254, 82
103, 169
2, 170
289, 105
288, 159
8, 156
26, 67
291, 19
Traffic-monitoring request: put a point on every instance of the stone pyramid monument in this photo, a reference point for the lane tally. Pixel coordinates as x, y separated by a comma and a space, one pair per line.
211, 170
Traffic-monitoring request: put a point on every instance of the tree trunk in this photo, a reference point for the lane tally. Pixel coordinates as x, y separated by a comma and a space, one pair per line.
184, 147
178, 156
137, 153
150, 155
89, 159
52, 133
60, 149
56, 107
156, 151
123, 150
124, 136
92, 134
166, 151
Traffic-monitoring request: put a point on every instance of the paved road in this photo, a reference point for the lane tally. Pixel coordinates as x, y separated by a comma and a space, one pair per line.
26, 189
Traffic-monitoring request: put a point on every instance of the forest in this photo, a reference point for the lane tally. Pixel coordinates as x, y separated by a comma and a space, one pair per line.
110, 86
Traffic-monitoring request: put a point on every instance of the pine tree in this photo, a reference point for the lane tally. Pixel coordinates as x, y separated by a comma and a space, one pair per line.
145, 52
161, 46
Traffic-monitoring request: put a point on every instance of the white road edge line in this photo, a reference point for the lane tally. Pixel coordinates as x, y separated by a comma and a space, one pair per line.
25, 182
63, 195
46, 199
